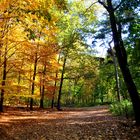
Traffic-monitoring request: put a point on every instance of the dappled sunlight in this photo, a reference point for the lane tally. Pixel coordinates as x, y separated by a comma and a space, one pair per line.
5, 118
84, 114
67, 124
20, 116
69, 69
87, 122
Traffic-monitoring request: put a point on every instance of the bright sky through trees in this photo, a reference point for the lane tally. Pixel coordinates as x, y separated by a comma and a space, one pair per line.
100, 50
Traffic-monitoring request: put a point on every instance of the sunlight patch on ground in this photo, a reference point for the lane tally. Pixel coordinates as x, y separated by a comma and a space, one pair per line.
10, 117
81, 114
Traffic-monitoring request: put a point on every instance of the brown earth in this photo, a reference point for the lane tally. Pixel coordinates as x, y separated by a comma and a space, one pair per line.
92, 123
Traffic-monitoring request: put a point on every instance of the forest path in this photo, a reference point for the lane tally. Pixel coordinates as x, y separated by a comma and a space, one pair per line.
92, 123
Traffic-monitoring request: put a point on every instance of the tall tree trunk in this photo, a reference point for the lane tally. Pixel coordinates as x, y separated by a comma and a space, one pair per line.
3, 79
19, 80
33, 84
122, 59
4, 73
43, 88
61, 83
55, 84
117, 79
40, 88
116, 74
42, 97
52, 104
1, 95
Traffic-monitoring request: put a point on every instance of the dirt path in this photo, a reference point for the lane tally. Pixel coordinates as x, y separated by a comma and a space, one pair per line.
95, 123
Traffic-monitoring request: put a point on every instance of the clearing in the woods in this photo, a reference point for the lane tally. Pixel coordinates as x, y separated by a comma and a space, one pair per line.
92, 123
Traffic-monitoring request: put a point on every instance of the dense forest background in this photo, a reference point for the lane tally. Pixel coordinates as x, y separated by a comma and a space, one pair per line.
46, 60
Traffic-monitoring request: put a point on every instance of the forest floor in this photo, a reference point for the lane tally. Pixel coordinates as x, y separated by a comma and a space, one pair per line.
92, 123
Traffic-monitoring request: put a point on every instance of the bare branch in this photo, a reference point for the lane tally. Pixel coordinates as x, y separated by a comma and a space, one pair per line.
90, 6
9, 69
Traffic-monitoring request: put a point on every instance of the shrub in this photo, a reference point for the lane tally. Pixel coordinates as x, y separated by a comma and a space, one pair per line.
123, 108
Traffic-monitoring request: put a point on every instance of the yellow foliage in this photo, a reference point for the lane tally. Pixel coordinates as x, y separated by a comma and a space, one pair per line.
28, 33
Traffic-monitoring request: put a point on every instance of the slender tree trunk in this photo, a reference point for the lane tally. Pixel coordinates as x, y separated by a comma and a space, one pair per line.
61, 84
42, 97
55, 84
43, 89
4, 73
1, 95
30, 85
0, 51
116, 74
117, 79
33, 84
52, 104
40, 89
122, 59
19, 74
3, 80
19, 80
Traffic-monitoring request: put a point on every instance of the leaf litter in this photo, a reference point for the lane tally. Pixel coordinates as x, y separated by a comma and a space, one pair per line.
92, 123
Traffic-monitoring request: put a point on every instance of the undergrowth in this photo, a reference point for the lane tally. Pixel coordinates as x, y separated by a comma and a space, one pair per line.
123, 108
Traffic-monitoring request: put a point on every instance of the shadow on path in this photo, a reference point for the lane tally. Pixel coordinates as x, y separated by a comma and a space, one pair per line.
94, 123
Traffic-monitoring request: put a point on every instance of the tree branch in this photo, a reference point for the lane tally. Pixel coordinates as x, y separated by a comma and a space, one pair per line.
118, 6
90, 6
103, 4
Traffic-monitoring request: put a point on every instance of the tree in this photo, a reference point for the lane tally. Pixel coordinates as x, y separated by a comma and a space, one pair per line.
28, 37
112, 54
122, 57
61, 81
55, 84
10, 42
74, 27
